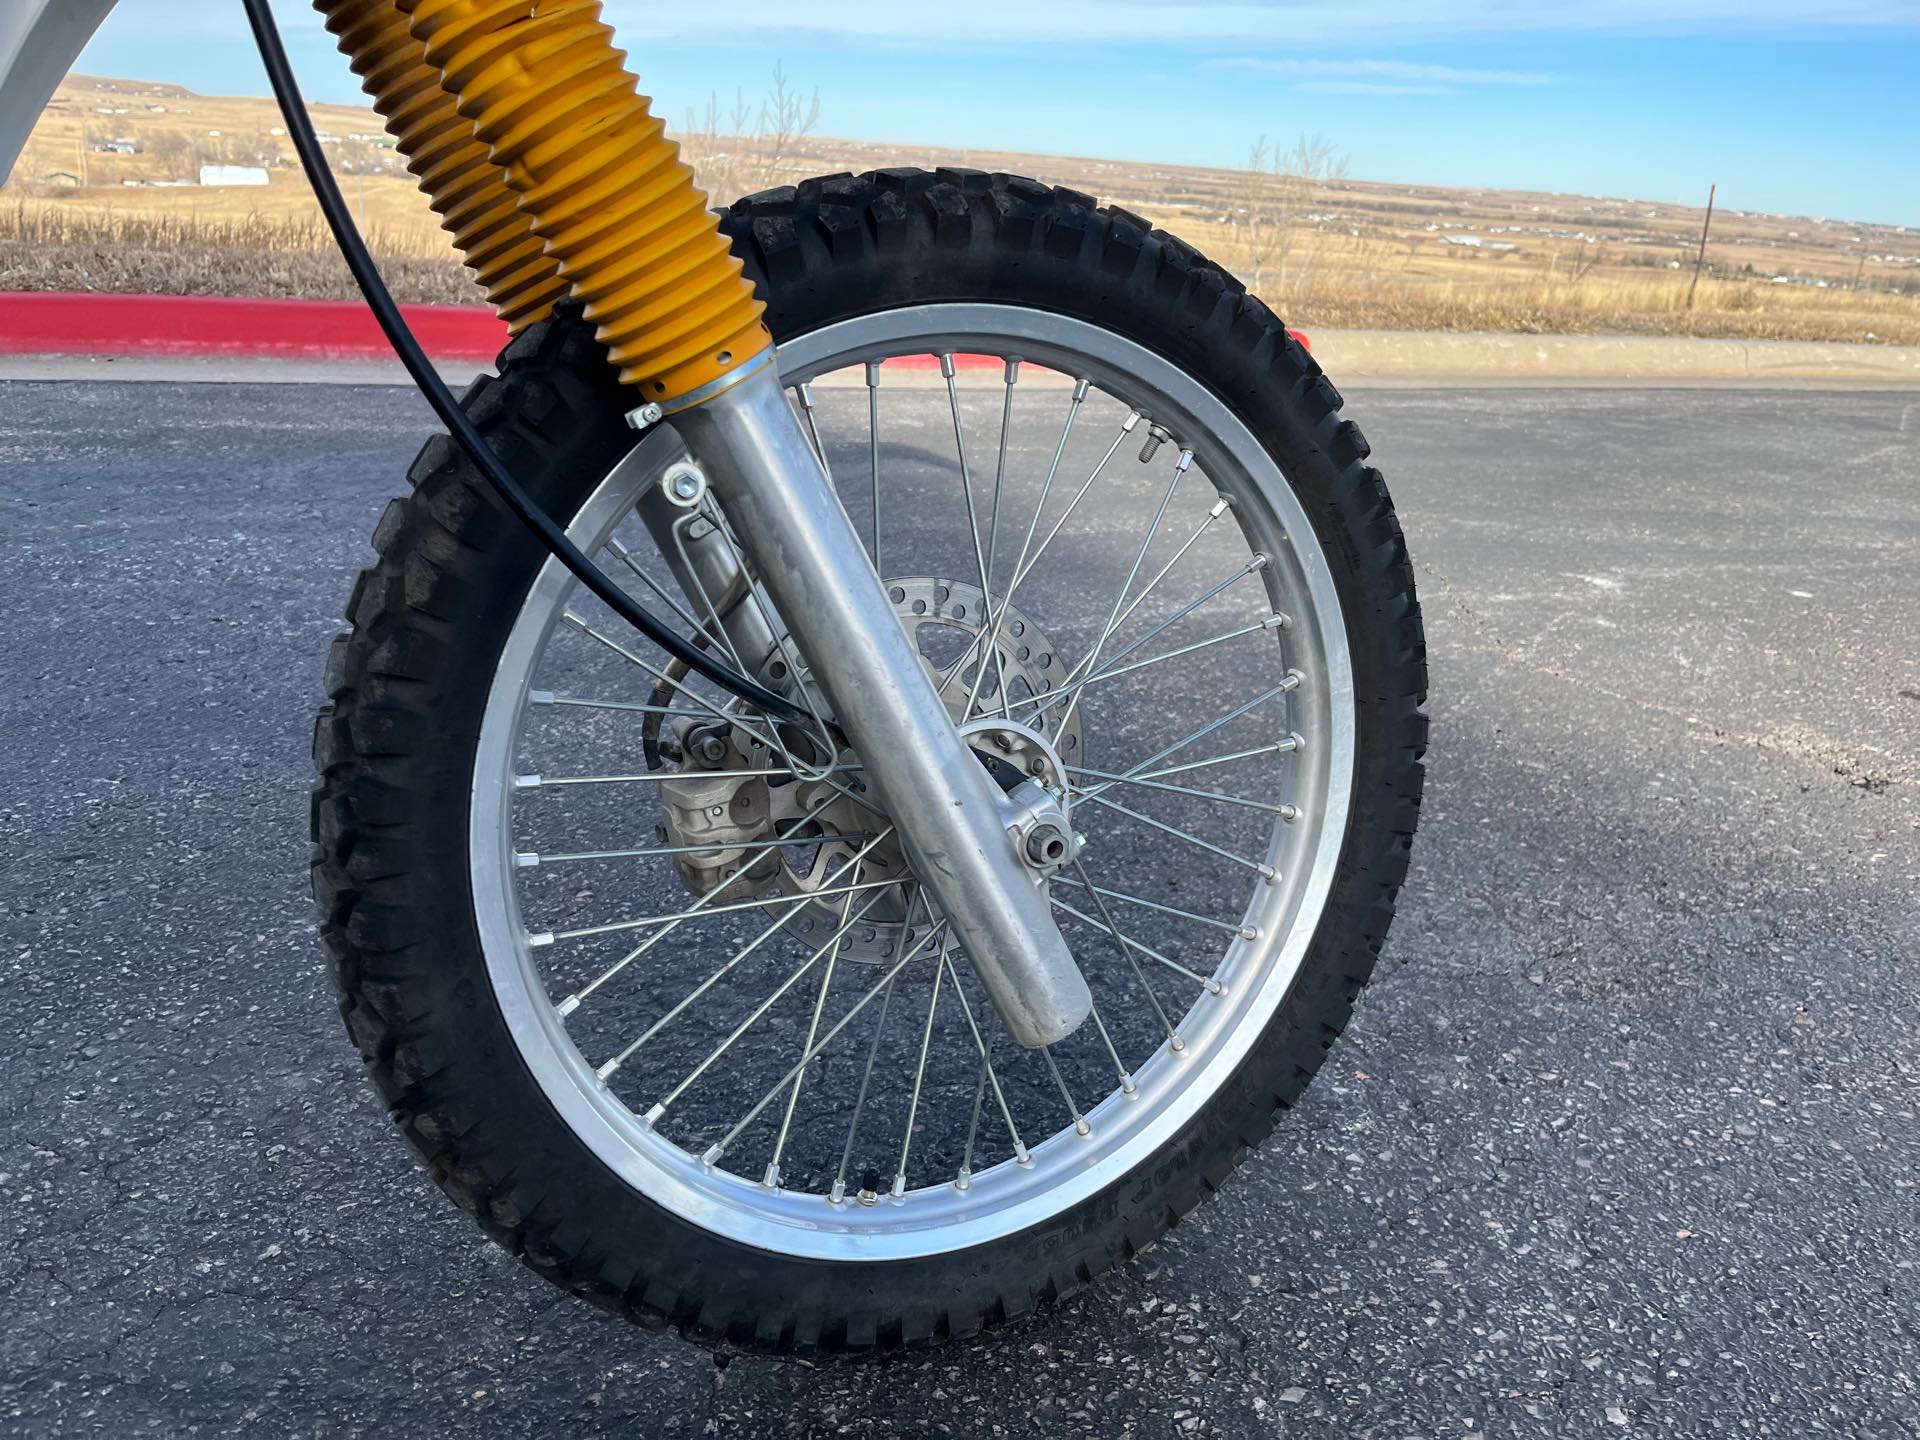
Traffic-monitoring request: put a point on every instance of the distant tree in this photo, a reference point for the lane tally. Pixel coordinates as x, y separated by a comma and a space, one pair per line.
1272, 202
743, 149
175, 154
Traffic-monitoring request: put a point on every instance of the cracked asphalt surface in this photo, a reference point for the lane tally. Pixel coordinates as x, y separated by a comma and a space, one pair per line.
1622, 1140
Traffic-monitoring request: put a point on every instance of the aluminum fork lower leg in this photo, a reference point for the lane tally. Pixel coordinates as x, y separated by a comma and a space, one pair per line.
789, 520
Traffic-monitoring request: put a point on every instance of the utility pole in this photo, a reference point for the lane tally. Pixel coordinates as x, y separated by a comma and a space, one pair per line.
1701, 259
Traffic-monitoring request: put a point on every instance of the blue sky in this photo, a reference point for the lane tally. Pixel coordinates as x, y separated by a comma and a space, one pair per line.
1806, 109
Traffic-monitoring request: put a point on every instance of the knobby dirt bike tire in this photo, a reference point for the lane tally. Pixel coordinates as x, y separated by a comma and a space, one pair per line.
394, 747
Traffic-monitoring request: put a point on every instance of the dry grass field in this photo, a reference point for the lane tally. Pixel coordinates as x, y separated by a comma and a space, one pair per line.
1326, 251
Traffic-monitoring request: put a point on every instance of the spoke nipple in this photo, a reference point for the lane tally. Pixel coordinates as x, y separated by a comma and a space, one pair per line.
1289, 813
1220, 507
712, 1156
1080, 388
526, 782
1184, 463
1013, 369
652, 1117
1275, 621
604, 1072
873, 373
1258, 562
900, 1181
806, 393
567, 1006
1023, 1156
838, 1194
1177, 1045
946, 365
1127, 1087
772, 1178
963, 1181
1082, 1129
540, 938
1269, 874
540, 697
525, 860
1296, 678
1214, 987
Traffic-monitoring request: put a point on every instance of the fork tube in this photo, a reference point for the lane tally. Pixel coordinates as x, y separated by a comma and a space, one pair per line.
789, 520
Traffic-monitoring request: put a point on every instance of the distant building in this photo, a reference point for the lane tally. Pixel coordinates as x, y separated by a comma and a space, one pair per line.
233, 175
114, 147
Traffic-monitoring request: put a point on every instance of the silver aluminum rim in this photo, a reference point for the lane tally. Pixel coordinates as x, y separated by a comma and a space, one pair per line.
1220, 1030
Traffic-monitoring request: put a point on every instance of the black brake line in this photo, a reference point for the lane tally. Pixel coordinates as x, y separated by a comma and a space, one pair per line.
306, 144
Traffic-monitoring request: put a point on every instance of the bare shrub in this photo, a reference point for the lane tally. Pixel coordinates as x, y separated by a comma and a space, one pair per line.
1270, 213
741, 149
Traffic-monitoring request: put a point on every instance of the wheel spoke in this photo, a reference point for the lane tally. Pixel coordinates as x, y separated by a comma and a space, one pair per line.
772, 1177
715, 1151
990, 632
1292, 682
1243, 931
1259, 867
805, 394
839, 1191
527, 860
1080, 1125
666, 596
1284, 746
759, 1011
993, 1079
919, 1074
772, 742
702, 905
1126, 954
1041, 703
1211, 986
656, 777
973, 521
616, 927
1180, 468
1285, 812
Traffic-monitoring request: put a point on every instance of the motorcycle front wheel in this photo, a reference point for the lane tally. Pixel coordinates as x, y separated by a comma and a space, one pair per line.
650, 989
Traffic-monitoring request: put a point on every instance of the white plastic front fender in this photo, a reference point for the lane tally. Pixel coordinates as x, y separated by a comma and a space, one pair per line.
39, 41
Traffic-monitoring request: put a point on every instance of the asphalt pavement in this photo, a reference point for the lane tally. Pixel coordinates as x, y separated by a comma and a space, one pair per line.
1622, 1141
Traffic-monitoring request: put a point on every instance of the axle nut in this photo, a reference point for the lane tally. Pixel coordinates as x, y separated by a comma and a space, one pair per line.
1047, 845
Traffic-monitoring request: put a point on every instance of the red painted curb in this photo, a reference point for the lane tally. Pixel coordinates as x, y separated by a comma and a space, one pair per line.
58, 323
34, 323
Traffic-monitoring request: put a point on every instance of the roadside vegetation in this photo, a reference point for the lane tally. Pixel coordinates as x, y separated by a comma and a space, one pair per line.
1325, 250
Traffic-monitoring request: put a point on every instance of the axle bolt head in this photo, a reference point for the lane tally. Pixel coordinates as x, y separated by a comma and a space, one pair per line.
1047, 844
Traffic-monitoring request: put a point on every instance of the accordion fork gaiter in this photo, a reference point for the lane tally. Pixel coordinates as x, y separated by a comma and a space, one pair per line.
463, 185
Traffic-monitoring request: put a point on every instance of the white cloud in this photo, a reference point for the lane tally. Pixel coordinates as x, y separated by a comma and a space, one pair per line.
1368, 87
1337, 76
